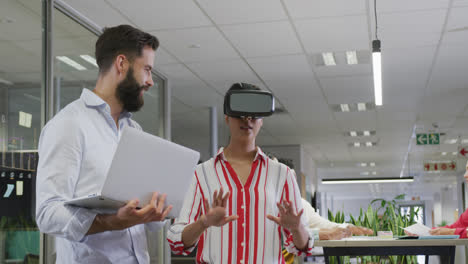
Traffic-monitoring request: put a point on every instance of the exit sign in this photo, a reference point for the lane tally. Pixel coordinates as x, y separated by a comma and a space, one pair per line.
428, 139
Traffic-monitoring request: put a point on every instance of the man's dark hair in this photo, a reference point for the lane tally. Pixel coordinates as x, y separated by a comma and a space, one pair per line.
123, 39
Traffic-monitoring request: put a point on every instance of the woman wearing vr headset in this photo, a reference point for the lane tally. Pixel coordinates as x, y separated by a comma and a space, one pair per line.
242, 207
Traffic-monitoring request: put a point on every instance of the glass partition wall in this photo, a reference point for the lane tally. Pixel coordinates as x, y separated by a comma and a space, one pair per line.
20, 126
24, 105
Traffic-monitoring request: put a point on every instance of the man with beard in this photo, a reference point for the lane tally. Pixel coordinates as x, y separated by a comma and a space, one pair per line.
76, 149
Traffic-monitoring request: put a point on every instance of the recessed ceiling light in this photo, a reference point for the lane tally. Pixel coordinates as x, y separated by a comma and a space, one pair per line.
444, 153
369, 144
366, 133
464, 141
361, 107
351, 57
357, 144
24, 119
365, 173
454, 153
363, 164
374, 173
328, 59
372, 164
353, 133
89, 59
344, 107
451, 141
71, 63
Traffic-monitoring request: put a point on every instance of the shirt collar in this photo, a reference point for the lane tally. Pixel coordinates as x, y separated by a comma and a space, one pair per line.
258, 156
93, 100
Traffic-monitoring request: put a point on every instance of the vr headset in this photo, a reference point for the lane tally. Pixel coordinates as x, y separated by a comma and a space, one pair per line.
248, 102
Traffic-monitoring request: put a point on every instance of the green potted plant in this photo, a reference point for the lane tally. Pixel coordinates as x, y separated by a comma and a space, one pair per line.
18, 236
386, 217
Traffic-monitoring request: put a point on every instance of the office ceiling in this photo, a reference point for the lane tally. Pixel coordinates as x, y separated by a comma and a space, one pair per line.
207, 45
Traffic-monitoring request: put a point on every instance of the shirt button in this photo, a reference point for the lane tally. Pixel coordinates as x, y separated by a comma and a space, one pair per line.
242, 261
242, 207
242, 190
242, 244
243, 224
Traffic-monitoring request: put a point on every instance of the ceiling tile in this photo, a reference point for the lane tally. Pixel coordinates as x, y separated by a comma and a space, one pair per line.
162, 14
263, 39
278, 67
458, 18
411, 29
325, 8
26, 24
179, 75
449, 71
415, 60
352, 89
222, 74
163, 57
403, 5
196, 44
92, 9
343, 70
457, 26
316, 36
366, 120
242, 11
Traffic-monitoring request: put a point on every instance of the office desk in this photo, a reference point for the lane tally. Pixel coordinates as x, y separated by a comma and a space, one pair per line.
441, 247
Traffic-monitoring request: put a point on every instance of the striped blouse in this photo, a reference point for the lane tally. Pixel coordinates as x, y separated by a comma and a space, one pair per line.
252, 238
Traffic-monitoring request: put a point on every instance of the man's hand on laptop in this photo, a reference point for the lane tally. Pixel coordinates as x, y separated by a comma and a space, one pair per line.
129, 215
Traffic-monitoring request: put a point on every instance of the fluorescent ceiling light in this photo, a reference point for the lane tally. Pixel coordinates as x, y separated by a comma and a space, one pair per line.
328, 59
444, 153
361, 107
464, 141
454, 153
369, 144
5, 82
377, 71
357, 144
365, 173
89, 59
363, 164
24, 119
344, 107
451, 141
372, 164
367, 180
351, 57
71, 62
374, 173
353, 133
366, 133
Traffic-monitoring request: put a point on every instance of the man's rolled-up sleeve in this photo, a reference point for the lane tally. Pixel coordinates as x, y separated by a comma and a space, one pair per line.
60, 155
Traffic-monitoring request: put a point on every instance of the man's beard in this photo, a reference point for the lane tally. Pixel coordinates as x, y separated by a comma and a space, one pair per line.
128, 93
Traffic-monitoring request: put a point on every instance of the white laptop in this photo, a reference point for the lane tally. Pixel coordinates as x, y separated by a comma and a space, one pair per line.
142, 164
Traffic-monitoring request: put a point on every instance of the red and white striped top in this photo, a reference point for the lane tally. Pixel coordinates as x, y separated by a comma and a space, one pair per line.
252, 238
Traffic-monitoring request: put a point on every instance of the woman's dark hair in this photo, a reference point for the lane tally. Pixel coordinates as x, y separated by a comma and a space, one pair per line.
123, 39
